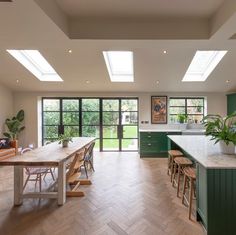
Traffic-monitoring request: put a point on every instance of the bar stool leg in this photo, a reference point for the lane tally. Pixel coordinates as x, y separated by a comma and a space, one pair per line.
178, 182
169, 164
190, 198
174, 173
184, 188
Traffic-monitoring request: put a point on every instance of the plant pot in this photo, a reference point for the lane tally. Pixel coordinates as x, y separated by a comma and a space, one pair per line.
65, 143
227, 149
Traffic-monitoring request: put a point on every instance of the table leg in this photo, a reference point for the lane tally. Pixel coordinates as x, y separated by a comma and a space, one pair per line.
18, 185
61, 183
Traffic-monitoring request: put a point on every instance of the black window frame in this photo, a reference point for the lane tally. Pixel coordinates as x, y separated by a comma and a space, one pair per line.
186, 106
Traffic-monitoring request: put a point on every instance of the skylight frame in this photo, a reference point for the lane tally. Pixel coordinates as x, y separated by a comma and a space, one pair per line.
34, 62
214, 58
122, 76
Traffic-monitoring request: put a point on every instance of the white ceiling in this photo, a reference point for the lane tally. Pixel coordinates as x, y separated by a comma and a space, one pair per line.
26, 24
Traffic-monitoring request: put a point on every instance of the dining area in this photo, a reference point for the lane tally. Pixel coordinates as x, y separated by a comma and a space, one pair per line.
63, 164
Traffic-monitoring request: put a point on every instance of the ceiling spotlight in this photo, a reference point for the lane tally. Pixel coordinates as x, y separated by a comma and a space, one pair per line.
17, 81
87, 81
227, 81
157, 82
165, 52
70, 51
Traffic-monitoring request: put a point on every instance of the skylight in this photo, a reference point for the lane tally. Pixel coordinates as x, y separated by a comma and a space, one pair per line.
203, 63
119, 65
36, 64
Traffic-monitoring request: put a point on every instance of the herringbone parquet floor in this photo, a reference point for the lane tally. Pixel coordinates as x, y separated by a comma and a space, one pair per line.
129, 195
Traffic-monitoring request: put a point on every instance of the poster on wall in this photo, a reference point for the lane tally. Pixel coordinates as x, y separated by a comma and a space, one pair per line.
159, 109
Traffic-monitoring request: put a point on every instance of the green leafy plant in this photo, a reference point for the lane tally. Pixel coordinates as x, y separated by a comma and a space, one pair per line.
64, 139
14, 125
221, 128
182, 118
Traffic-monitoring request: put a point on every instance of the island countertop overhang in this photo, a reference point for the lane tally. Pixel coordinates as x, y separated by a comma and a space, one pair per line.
204, 151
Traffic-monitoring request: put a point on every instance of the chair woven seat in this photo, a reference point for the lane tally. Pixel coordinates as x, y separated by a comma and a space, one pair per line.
190, 172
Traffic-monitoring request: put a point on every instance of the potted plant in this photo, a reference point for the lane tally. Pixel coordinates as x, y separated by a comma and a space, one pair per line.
182, 118
222, 130
64, 140
14, 127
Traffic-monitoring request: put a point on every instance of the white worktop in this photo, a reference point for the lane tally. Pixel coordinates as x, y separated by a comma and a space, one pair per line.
160, 130
204, 151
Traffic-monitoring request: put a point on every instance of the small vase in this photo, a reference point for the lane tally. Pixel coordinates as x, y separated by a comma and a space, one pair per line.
227, 149
65, 143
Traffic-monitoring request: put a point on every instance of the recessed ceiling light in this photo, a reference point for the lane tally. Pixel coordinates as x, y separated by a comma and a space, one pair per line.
70, 51
119, 65
36, 64
227, 81
165, 52
203, 63
17, 81
87, 81
157, 82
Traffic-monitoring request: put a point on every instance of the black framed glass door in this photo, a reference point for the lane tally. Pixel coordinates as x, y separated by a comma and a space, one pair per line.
113, 121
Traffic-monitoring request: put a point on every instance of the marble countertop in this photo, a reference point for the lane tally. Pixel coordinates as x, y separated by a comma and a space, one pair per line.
205, 151
160, 130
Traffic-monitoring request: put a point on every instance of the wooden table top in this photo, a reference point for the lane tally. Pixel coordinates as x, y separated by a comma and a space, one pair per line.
48, 155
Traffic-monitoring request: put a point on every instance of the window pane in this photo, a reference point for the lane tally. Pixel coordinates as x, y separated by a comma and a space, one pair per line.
129, 105
177, 102
72, 131
195, 102
71, 118
177, 110
51, 118
130, 132
110, 118
90, 131
90, 118
195, 110
111, 144
90, 104
110, 105
129, 117
70, 105
51, 105
174, 119
130, 144
195, 118
110, 132
50, 131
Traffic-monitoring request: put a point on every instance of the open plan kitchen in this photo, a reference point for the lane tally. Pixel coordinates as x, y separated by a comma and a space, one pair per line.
117, 117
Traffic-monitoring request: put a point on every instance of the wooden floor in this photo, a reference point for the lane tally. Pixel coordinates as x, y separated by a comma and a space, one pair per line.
129, 195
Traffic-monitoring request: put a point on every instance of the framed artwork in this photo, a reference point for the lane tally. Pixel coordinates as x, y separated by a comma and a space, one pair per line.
159, 109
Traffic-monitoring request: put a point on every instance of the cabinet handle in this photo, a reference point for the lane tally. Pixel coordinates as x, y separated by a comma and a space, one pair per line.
149, 144
149, 136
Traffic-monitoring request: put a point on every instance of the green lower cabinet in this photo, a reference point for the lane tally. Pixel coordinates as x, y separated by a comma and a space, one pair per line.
216, 200
154, 144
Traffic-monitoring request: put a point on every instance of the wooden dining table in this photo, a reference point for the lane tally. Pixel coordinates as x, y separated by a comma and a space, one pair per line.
51, 155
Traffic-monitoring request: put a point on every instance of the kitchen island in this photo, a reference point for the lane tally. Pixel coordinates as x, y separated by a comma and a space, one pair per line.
216, 183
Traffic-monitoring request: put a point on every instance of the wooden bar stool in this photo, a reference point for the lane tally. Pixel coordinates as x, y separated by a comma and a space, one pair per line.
189, 176
179, 164
172, 154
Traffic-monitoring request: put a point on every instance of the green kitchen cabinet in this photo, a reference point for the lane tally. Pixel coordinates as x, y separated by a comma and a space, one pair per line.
231, 103
154, 144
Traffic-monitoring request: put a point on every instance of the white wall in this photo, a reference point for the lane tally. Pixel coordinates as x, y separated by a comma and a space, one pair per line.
6, 106
30, 102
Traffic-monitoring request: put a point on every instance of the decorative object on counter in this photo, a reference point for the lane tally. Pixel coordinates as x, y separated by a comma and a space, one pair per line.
159, 109
64, 140
182, 118
222, 130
